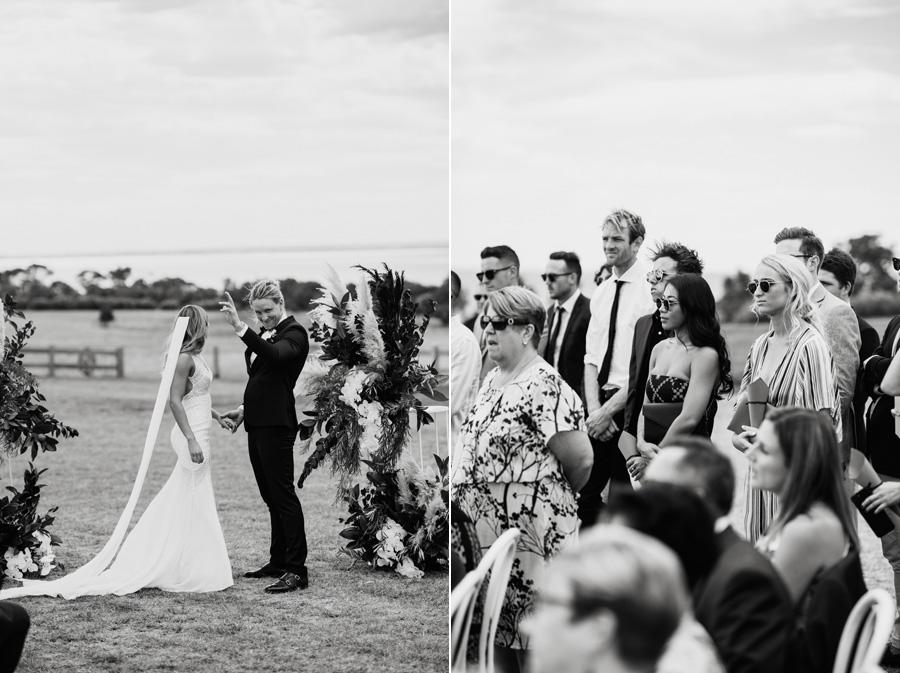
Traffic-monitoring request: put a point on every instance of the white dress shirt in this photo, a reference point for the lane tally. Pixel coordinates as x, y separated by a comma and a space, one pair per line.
635, 301
568, 306
465, 369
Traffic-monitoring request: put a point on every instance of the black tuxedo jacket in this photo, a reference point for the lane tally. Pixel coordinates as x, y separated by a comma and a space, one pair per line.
269, 395
648, 332
883, 443
571, 352
745, 607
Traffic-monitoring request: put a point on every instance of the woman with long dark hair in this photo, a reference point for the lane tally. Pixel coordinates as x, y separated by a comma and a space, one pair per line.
689, 371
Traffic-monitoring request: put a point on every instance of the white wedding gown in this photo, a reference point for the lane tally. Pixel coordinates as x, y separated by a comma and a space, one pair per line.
177, 545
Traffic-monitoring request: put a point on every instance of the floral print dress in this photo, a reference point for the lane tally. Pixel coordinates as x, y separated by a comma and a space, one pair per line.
506, 476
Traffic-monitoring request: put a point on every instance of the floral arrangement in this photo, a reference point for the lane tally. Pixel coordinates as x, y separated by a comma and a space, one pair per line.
399, 520
26, 426
370, 337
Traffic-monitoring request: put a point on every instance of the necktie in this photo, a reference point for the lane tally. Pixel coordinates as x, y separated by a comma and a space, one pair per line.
610, 341
550, 351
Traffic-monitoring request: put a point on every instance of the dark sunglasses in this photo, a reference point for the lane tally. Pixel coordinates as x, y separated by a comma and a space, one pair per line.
896, 262
479, 297
490, 273
666, 304
553, 276
500, 324
764, 285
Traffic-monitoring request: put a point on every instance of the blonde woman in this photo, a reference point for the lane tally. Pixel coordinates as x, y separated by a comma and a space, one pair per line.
793, 360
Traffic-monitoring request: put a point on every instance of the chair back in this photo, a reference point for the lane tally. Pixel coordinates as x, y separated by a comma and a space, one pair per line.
498, 561
866, 633
462, 607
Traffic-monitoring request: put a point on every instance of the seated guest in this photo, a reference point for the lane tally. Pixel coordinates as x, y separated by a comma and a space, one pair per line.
567, 319
523, 455
14, 624
608, 605
796, 457
691, 368
677, 517
742, 603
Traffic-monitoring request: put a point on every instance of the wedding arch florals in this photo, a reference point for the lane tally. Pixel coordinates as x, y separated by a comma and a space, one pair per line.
370, 337
26, 426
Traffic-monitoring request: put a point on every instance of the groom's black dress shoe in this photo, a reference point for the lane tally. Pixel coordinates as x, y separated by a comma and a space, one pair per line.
287, 582
266, 571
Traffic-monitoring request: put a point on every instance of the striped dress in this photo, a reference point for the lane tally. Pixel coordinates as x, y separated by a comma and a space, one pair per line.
804, 378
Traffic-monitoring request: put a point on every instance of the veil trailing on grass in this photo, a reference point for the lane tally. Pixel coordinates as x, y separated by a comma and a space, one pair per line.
78, 582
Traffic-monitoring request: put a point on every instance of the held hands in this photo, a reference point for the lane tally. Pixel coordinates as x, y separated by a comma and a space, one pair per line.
233, 419
196, 451
886, 494
230, 310
599, 423
636, 465
647, 451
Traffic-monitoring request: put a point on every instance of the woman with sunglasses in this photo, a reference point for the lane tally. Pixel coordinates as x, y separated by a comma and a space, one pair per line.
524, 455
792, 359
689, 370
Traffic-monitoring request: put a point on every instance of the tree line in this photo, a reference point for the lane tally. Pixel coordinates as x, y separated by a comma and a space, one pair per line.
34, 288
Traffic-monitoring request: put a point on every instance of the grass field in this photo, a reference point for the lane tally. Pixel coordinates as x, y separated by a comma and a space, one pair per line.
349, 619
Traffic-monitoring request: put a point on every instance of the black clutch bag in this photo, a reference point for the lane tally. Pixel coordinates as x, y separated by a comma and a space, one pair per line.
879, 522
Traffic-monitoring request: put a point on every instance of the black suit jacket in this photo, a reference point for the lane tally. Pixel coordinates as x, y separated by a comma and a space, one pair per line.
571, 352
269, 395
868, 345
883, 443
745, 607
648, 332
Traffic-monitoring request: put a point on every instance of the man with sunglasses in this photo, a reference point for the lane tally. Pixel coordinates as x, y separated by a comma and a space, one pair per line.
565, 330
499, 269
669, 260
616, 306
841, 330
884, 452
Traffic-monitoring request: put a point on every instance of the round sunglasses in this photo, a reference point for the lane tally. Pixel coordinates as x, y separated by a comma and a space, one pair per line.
666, 304
764, 285
500, 324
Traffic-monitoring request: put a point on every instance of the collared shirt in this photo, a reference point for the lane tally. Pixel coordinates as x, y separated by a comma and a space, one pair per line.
465, 368
563, 318
635, 301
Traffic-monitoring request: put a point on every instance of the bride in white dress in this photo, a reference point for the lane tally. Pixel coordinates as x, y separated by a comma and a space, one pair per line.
177, 544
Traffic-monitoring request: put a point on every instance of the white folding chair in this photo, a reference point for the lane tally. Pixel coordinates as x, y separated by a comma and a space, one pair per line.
498, 560
441, 417
462, 607
866, 633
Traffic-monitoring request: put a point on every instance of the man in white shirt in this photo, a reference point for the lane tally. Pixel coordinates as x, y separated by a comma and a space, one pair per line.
615, 307
465, 365
563, 341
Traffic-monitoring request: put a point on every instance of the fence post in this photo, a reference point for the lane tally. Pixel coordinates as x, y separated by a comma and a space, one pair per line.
120, 363
51, 364
216, 362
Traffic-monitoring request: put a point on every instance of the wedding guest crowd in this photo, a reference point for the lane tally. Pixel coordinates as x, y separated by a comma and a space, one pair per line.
595, 415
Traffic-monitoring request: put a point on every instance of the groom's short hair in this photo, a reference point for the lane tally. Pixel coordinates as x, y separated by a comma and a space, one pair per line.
266, 289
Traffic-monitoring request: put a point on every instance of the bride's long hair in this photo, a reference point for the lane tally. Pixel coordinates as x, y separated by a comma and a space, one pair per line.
197, 328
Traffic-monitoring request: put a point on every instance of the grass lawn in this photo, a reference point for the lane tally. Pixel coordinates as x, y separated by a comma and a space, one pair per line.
349, 619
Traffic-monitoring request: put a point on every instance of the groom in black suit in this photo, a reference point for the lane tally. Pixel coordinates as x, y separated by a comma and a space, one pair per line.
274, 359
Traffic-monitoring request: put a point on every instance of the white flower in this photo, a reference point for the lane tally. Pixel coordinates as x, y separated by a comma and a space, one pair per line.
407, 568
391, 538
351, 391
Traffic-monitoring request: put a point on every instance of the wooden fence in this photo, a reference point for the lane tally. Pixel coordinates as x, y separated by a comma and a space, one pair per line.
86, 360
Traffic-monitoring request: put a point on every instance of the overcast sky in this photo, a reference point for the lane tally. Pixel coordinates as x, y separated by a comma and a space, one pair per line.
718, 121
173, 124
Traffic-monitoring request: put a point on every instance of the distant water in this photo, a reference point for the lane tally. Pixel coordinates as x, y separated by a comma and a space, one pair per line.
425, 265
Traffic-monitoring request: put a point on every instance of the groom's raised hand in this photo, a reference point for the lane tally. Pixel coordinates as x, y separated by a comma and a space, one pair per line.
230, 310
